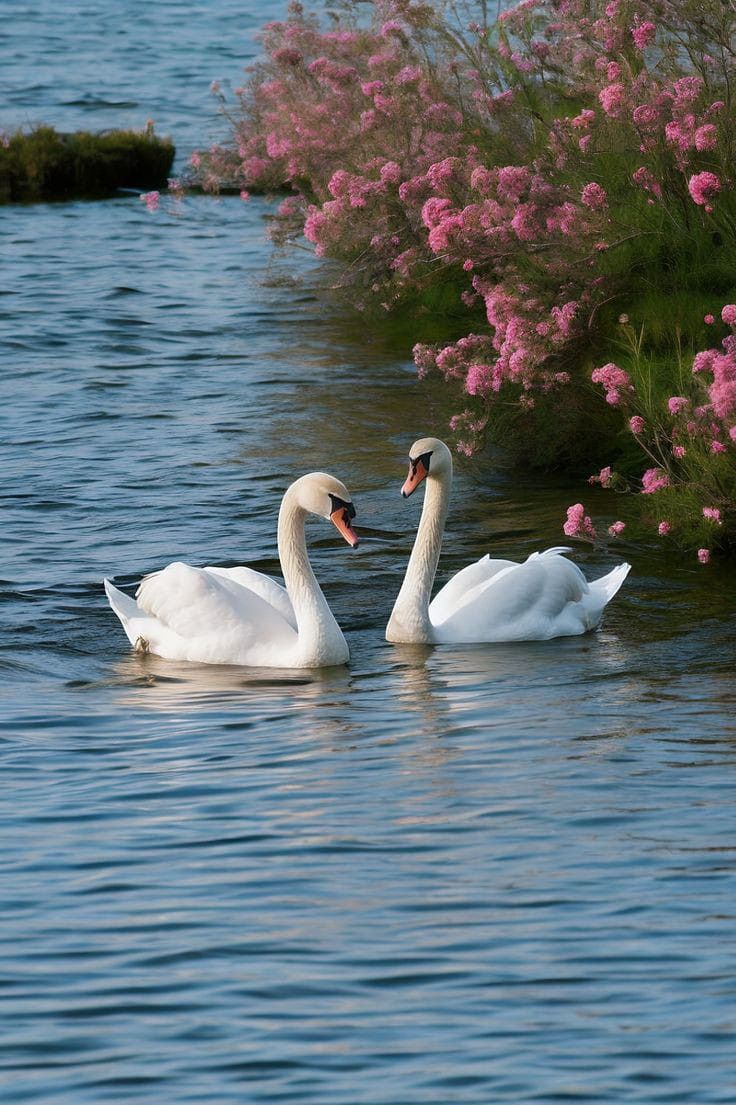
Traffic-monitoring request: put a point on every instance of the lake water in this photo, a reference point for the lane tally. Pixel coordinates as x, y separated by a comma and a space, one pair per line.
471, 875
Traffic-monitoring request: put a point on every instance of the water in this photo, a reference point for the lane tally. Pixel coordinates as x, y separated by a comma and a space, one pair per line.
472, 875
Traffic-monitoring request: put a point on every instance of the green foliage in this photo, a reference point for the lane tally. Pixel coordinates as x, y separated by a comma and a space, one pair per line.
44, 164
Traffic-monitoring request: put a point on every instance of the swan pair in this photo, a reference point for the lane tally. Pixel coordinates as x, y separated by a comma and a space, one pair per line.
240, 616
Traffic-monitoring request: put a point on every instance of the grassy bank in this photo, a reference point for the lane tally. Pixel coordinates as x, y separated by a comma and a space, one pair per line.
46, 165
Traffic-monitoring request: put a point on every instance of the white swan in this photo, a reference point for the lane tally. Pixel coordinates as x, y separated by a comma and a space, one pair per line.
490, 600
238, 615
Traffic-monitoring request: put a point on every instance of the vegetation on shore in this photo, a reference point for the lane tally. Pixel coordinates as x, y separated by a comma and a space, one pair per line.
563, 175
46, 165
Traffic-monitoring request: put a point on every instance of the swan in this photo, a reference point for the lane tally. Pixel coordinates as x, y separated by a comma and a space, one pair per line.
238, 615
491, 600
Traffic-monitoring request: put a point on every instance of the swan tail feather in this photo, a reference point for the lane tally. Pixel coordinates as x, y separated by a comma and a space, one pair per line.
124, 606
607, 586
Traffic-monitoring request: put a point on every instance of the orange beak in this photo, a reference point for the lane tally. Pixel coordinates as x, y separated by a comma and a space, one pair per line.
418, 471
340, 519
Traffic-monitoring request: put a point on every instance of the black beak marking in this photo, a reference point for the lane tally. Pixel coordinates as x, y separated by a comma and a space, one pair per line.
416, 461
340, 504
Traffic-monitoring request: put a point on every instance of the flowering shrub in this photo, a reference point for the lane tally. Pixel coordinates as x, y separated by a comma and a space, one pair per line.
548, 174
690, 437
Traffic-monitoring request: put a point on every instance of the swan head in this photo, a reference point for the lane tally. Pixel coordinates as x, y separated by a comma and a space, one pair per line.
323, 495
429, 454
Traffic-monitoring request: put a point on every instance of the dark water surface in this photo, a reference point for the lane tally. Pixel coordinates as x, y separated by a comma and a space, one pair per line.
471, 875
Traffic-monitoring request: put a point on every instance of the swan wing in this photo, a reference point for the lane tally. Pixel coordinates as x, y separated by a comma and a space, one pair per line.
546, 596
224, 619
260, 584
453, 594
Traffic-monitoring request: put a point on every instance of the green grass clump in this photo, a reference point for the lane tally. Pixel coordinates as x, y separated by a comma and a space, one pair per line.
47, 165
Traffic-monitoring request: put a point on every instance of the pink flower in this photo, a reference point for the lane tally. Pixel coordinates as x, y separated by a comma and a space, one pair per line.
676, 403
643, 35
678, 451
593, 196
703, 187
646, 180
704, 555
245, 196
578, 523
717, 447
709, 319
390, 173
706, 137
713, 514
611, 99
512, 181
617, 529
703, 361
151, 200
687, 89
663, 529
604, 477
637, 424
480, 379
653, 480
435, 211
614, 379
728, 314
645, 115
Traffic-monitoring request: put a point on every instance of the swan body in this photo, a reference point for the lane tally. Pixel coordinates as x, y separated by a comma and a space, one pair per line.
491, 600
238, 615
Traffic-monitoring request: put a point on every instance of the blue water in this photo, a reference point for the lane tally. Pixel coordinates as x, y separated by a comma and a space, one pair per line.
472, 875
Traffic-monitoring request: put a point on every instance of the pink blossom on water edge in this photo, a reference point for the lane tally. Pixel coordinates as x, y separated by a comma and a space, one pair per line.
663, 529
604, 477
245, 196
616, 529
704, 556
480, 379
578, 523
151, 200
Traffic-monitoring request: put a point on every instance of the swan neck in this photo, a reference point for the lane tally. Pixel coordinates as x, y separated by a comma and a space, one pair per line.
410, 616
315, 622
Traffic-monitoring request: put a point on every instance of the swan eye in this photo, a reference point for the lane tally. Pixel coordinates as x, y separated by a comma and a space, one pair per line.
423, 460
340, 504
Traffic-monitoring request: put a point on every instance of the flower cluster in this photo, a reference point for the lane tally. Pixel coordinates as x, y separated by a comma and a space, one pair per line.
539, 174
